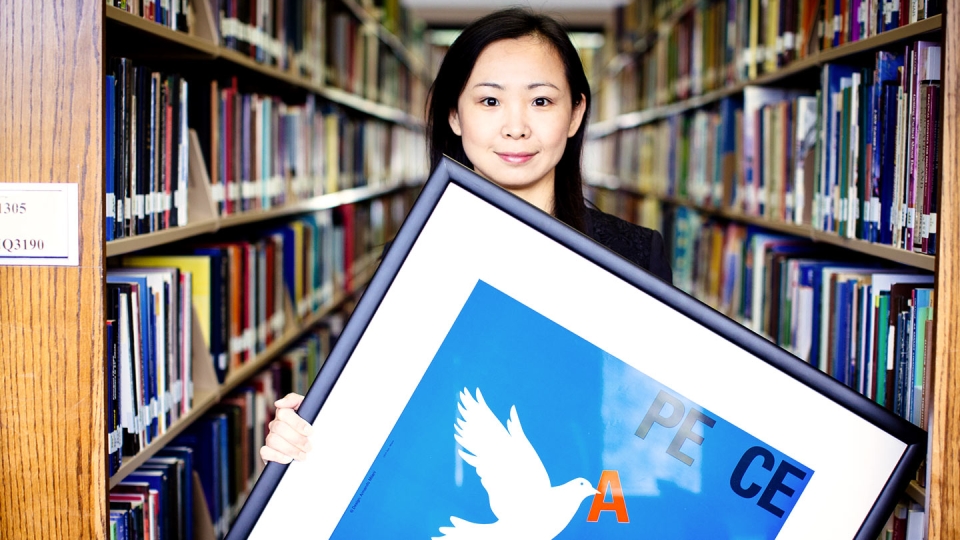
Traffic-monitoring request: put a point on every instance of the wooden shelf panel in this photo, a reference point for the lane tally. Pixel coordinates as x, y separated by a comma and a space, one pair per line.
322, 202
890, 253
201, 46
638, 118
369, 107
211, 51
290, 77
159, 238
203, 402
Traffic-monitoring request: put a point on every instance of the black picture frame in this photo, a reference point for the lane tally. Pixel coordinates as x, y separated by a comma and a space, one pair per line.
449, 173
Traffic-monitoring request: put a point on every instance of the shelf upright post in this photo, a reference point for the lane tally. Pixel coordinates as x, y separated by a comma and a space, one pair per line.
52, 332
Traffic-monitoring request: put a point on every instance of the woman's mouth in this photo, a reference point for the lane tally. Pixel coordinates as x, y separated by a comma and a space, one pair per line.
516, 157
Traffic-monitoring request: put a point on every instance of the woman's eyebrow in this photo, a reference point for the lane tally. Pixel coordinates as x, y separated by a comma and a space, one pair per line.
530, 86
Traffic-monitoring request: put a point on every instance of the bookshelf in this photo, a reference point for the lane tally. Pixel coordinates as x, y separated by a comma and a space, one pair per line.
52, 334
941, 497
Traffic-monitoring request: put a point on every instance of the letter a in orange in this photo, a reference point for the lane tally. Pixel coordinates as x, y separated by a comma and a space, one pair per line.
609, 482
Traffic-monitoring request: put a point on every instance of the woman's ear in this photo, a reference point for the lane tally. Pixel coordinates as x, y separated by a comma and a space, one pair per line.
454, 120
577, 117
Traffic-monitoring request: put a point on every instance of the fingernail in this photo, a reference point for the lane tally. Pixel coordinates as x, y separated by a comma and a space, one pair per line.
302, 456
308, 447
307, 430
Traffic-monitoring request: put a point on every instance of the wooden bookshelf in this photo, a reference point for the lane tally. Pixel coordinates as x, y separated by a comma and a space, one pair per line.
204, 50
204, 401
646, 116
52, 331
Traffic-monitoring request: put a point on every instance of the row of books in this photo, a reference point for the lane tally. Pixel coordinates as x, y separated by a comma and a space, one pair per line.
196, 485
880, 149
867, 324
147, 149
908, 522
263, 152
175, 14
859, 158
288, 34
260, 151
725, 42
149, 355
234, 297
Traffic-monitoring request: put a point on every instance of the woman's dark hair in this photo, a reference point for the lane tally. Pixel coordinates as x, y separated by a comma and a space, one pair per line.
452, 78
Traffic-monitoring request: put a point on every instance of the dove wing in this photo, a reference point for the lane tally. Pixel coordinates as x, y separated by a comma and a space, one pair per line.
507, 464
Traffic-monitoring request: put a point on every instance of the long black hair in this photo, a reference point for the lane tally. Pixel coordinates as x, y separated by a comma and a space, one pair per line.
452, 78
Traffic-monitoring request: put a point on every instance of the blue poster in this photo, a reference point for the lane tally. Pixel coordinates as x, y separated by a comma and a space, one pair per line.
521, 429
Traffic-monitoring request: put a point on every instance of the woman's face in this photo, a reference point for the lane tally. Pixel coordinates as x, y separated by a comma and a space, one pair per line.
515, 116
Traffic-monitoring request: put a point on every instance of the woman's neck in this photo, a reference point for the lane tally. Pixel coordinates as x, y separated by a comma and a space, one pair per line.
540, 195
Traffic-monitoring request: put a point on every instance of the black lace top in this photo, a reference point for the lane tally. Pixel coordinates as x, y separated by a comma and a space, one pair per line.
642, 246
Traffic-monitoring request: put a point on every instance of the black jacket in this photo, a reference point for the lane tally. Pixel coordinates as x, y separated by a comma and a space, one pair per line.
642, 246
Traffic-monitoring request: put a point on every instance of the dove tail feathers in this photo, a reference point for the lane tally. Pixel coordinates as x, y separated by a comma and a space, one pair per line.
464, 530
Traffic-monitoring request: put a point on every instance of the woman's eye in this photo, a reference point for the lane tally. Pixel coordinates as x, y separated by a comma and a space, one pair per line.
490, 102
541, 102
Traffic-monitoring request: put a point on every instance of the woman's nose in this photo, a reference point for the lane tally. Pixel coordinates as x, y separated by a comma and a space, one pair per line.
515, 126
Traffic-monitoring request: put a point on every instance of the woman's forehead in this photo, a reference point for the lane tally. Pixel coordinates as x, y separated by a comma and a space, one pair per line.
529, 58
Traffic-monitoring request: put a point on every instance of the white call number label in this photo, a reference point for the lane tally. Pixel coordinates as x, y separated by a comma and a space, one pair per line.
39, 224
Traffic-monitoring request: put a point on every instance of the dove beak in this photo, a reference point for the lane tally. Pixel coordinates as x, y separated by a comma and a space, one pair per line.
597, 492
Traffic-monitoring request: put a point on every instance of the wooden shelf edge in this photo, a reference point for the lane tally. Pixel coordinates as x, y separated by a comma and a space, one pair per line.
195, 43
320, 202
638, 118
205, 401
273, 72
202, 402
371, 108
889, 253
323, 202
159, 238
912, 30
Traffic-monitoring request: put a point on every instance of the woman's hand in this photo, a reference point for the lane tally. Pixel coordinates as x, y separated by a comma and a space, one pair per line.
287, 439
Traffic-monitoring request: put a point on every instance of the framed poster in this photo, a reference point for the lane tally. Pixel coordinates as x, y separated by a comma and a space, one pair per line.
503, 376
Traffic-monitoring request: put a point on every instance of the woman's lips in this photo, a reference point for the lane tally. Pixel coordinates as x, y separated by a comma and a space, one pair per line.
516, 157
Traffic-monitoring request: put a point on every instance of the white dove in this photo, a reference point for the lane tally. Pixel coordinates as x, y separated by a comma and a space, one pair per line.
521, 497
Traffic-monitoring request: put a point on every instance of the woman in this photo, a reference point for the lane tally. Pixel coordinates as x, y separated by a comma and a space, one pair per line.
510, 101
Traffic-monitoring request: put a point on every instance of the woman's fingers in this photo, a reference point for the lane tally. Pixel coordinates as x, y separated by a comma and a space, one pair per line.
288, 437
289, 401
288, 442
293, 420
269, 454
